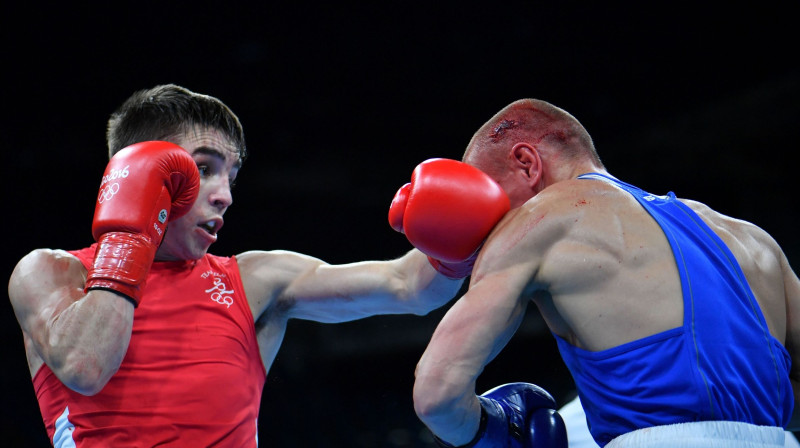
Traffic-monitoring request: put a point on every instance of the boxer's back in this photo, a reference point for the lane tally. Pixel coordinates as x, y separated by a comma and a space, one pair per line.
613, 277
652, 310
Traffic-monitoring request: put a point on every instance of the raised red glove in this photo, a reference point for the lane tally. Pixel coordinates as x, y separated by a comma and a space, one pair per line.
145, 186
446, 211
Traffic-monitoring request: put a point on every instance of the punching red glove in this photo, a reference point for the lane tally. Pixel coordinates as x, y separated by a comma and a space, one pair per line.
145, 186
446, 211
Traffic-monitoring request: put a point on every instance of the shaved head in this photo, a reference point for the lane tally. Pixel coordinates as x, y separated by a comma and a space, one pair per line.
532, 121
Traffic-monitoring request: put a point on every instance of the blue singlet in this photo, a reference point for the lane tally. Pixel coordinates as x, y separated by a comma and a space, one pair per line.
722, 364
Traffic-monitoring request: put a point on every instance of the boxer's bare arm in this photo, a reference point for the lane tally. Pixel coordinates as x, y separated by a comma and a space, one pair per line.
281, 285
81, 337
472, 333
304, 287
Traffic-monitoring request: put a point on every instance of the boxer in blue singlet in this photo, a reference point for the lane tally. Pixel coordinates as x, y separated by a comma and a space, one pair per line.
677, 323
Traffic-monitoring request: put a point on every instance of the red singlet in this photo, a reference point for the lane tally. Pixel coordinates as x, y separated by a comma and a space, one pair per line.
192, 375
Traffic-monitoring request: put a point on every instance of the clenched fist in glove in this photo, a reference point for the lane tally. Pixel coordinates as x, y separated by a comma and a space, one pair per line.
446, 211
145, 186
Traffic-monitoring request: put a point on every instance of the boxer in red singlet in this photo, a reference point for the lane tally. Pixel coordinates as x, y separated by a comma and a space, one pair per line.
145, 339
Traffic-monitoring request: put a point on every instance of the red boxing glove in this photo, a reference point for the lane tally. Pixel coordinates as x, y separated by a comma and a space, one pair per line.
145, 186
446, 211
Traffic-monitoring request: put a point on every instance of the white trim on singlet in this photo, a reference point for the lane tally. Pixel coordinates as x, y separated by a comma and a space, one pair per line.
62, 437
705, 434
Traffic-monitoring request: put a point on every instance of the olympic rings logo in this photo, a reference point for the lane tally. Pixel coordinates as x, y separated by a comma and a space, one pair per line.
107, 192
220, 293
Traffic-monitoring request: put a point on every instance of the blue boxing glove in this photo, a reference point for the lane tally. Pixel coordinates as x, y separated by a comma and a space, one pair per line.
518, 415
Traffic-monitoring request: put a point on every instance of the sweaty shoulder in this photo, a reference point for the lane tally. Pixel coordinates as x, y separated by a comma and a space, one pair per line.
563, 218
756, 250
566, 206
577, 237
732, 230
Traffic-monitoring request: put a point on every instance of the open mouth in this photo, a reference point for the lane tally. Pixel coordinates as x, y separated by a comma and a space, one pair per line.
212, 227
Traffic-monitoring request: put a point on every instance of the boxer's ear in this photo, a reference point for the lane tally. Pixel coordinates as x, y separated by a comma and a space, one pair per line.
526, 158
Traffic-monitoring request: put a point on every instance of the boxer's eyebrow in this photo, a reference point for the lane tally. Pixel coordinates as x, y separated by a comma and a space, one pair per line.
216, 153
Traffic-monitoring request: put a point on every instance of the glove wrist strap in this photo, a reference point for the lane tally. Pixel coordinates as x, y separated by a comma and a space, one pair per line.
121, 264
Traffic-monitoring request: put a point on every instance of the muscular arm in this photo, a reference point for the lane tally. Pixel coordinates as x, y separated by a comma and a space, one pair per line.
481, 323
281, 285
304, 287
81, 337
470, 335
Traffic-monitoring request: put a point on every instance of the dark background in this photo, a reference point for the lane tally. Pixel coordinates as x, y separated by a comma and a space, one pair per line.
340, 102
